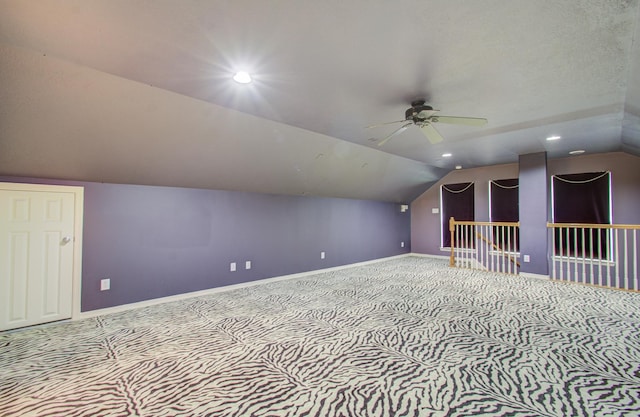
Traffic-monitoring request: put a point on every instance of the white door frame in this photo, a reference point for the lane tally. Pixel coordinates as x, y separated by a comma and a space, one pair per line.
77, 231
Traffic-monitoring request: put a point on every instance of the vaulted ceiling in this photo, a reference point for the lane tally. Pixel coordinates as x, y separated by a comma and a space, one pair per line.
140, 91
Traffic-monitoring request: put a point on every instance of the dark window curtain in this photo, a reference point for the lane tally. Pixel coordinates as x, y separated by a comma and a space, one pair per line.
582, 198
505, 208
457, 202
504, 200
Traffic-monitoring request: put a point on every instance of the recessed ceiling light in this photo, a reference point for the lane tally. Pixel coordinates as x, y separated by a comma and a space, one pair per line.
446, 155
554, 137
577, 152
242, 77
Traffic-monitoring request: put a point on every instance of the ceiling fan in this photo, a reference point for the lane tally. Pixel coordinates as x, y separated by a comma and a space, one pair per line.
423, 116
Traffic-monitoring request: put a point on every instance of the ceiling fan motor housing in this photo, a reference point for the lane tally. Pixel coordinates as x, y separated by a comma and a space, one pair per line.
417, 107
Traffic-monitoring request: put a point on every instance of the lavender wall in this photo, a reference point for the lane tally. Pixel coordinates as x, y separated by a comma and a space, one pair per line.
625, 174
159, 241
533, 202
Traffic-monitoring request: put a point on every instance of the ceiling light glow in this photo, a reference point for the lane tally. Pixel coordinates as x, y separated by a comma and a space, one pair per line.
446, 155
577, 152
242, 77
554, 137
458, 166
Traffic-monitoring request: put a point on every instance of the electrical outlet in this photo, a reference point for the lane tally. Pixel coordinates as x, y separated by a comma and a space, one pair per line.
322, 255
526, 258
247, 265
232, 267
402, 244
105, 284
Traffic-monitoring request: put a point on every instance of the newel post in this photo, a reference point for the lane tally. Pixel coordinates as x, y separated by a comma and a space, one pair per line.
452, 228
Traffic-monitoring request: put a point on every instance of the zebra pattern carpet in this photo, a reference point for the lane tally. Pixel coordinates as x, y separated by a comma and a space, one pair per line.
402, 337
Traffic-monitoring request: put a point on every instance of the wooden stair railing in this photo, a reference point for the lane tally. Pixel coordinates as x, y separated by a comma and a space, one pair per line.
511, 259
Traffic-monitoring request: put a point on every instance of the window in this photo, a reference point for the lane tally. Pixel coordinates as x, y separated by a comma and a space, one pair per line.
456, 200
504, 200
582, 198
504, 207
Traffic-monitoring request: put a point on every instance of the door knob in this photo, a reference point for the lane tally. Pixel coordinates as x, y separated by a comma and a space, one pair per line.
66, 240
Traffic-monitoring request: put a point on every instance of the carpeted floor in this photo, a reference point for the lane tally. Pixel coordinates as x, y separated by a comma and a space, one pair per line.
406, 337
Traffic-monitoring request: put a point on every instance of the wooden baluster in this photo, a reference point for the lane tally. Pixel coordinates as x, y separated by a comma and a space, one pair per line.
452, 228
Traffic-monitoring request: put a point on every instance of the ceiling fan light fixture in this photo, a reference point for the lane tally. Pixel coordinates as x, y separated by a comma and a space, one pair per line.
242, 77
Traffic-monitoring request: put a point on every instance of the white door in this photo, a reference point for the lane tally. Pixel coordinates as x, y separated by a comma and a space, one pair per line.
37, 239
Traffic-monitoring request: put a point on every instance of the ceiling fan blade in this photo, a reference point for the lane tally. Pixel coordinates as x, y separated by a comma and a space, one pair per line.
431, 133
394, 133
384, 124
425, 114
455, 120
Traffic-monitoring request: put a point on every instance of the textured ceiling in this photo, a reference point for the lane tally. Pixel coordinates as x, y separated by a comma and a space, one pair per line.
141, 92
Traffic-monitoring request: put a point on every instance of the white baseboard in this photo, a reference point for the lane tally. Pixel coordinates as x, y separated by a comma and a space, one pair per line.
178, 297
426, 255
530, 275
